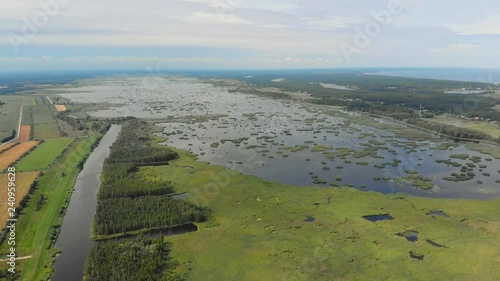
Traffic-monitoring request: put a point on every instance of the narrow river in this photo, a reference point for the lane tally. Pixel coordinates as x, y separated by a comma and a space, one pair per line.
74, 239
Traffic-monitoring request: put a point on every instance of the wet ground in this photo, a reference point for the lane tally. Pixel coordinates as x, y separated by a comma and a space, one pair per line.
295, 143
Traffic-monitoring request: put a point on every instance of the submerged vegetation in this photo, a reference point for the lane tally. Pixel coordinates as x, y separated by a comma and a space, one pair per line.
258, 231
394, 97
246, 228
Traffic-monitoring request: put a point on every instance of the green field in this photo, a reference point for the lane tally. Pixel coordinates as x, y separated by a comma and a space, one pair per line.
9, 115
45, 124
35, 228
260, 231
27, 115
44, 154
80, 110
29, 101
489, 128
28, 104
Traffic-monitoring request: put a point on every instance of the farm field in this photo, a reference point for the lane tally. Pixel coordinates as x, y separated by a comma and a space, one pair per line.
60, 108
10, 156
80, 110
24, 134
263, 230
35, 227
23, 183
27, 115
45, 125
27, 101
44, 154
9, 115
481, 126
6, 146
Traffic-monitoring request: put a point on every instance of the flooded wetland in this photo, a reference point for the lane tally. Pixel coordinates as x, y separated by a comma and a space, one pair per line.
307, 192
292, 142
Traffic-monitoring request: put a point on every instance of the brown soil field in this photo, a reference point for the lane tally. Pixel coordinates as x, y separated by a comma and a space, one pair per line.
60, 107
23, 183
10, 156
24, 134
4, 147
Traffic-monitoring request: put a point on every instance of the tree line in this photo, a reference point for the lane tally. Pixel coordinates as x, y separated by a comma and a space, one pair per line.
451, 130
119, 215
373, 93
121, 180
127, 202
138, 259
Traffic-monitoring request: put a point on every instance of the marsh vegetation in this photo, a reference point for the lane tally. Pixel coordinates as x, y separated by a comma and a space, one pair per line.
315, 157
283, 139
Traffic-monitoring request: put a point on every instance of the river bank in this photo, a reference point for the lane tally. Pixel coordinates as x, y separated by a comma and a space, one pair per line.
74, 240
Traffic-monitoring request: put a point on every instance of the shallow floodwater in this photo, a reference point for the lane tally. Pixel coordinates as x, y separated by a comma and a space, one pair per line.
294, 143
74, 239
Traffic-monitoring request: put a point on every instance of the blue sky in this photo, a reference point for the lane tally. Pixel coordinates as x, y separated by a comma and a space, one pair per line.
228, 34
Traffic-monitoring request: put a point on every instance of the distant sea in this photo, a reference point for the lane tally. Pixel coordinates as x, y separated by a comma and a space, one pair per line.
456, 74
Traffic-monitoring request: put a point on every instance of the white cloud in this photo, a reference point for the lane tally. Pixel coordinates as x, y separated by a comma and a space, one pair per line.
268, 31
290, 59
489, 25
276, 25
214, 18
332, 23
460, 47
163, 63
275, 6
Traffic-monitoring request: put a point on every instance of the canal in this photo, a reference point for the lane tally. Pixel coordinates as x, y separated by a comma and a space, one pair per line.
74, 239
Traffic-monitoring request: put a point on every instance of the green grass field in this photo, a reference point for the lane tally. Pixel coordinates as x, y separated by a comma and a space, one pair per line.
9, 115
34, 228
44, 155
259, 231
80, 110
27, 118
482, 126
29, 101
45, 125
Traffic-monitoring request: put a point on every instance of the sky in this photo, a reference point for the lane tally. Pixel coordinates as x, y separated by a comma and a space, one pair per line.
247, 34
